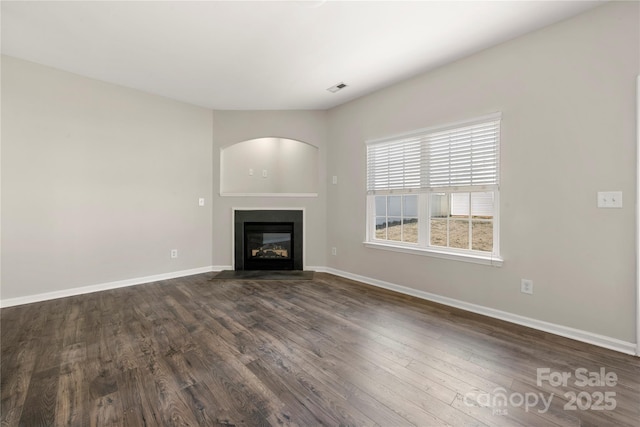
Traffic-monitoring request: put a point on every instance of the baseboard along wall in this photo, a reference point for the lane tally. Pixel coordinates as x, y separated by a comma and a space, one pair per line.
552, 328
10, 302
564, 331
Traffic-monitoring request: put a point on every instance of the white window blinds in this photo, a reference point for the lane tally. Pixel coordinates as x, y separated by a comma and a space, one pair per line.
464, 156
394, 165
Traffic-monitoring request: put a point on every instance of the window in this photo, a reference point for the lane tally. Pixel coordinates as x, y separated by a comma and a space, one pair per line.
437, 191
397, 218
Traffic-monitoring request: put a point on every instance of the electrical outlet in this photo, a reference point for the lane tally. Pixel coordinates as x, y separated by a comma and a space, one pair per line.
201, 201
334, 251
174, 253
526, 286
334, 180
609, 199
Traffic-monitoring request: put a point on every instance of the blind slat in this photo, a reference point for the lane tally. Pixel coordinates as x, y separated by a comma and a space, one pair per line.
466, 156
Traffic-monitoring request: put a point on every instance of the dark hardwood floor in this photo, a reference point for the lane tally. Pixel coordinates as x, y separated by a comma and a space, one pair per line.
327, 351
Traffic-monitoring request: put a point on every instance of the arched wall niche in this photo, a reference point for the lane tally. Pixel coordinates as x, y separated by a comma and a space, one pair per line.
269, 166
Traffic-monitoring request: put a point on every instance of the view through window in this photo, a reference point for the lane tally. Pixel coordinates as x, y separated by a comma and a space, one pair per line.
437, 189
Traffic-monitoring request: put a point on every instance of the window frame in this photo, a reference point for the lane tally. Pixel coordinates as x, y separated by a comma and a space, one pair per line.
403, 216
423, 246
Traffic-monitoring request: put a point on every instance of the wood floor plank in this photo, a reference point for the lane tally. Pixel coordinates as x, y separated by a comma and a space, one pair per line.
210, 397
318, 375
303, 409
139, 408
421, 348
367, 362
329, 355
39, 404
255, 402
328, 351
106, 411
18, 363
73, 389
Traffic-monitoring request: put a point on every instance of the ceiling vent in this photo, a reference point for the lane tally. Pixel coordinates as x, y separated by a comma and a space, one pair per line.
336, 88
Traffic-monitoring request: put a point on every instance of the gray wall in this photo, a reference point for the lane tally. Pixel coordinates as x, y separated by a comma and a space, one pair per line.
567, 95
99, 182
231, 127
269, 166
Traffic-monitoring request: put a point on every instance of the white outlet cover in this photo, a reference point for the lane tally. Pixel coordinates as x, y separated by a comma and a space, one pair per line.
526, 286
609, 199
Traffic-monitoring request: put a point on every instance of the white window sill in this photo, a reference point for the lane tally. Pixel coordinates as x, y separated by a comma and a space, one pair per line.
268, 194
476, 259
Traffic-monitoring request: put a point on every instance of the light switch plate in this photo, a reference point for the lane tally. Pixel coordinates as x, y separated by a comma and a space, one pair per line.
609, 199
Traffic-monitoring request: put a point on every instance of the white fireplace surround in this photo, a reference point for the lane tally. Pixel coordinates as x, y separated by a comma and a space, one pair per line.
262, 208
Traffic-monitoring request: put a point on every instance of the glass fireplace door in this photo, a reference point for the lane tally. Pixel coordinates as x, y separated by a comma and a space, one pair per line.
268, 246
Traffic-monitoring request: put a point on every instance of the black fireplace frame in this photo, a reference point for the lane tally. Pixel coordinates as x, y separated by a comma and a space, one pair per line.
268, 216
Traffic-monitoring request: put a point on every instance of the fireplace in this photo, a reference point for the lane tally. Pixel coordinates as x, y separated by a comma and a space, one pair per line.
268, 240
267, 246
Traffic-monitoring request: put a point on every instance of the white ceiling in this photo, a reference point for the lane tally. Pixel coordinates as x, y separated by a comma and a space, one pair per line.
264, 54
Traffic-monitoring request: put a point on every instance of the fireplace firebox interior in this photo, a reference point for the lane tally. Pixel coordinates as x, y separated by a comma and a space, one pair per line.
268, 246
268, 240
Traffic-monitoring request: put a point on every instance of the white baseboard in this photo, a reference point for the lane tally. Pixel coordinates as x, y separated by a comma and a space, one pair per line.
317, 269
105, 286
564, 331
